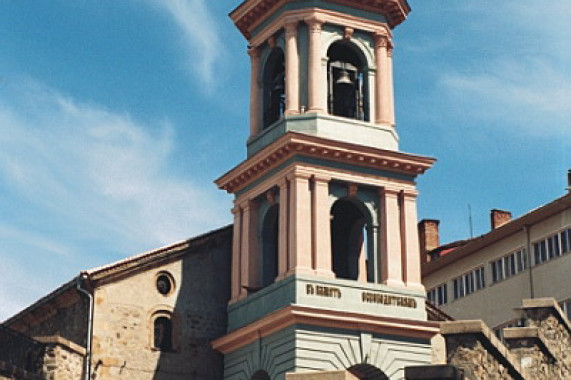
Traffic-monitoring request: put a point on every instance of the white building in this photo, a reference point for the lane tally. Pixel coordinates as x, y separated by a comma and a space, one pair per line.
486, 277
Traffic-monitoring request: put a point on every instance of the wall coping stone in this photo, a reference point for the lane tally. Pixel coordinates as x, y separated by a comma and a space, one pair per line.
59, 341
532, 333
547, 303
488, 339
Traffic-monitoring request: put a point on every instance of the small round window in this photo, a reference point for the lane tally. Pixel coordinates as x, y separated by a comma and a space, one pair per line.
164, 283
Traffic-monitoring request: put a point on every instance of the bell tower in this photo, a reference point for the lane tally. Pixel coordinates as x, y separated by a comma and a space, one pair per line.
325, 261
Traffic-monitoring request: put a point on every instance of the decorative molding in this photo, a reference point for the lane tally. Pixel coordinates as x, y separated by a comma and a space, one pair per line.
317, 317
322, 16
252, 13
296, 144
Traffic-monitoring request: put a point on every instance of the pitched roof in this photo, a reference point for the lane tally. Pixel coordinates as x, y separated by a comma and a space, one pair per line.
124, 267
473, 245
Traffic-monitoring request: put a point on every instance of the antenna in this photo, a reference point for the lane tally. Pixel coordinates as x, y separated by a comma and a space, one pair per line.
470, 221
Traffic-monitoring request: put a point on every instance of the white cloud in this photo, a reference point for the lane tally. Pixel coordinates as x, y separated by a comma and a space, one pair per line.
79, 175
517, 72
201, 36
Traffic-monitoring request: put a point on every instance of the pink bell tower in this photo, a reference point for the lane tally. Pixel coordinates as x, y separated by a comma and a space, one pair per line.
325, 235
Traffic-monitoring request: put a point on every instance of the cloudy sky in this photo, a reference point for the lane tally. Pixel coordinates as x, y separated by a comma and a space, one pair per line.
116, 116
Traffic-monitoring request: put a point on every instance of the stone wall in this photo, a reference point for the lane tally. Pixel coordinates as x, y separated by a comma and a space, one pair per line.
126, 307
63, 359
19, 354
471, 346
554, 329
539, 351
63, 314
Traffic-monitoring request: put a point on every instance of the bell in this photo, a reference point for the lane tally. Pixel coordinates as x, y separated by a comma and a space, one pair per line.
344, 78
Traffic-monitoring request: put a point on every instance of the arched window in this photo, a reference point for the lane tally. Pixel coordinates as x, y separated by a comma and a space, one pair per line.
162, 338
347, 82
270, 245
274, 87
349, 239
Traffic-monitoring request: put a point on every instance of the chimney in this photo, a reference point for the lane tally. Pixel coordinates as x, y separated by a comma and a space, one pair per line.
429, 237
499, 217
569, 181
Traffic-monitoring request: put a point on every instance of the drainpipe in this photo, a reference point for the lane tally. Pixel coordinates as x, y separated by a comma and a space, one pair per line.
527, 231
82, 278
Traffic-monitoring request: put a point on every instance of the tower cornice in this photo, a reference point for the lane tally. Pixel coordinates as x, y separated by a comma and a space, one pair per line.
252, 12
297, 144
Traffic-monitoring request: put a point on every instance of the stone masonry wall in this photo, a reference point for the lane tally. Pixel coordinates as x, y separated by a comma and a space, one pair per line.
554, 328
477, 362
471, 346
65, 316
63, 360
125, 310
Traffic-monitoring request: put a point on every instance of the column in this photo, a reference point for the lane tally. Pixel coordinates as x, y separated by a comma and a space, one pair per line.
245, 250
411, 250
374, 264
254, 91
283, 230
236, 259
315, 72
382, 98
321, 226
391, 94
390, 239
291, 69
299, 243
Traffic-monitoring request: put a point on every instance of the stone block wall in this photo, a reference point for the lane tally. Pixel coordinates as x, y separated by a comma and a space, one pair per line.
20, 355
126, 307
63, 359
554, 329
539, 351
65, 315
471, 346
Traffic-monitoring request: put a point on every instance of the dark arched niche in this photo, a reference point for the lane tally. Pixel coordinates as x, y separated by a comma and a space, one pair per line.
347, 82
274, 87
260, 375
367, 372
349, 219
270, 228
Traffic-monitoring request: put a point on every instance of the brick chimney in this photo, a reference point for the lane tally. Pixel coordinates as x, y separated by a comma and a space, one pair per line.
499, 217
428, 236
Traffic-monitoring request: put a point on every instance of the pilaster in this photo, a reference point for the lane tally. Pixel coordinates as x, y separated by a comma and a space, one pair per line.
411, 250
382, 87
315, 72
236, 257
321, 226
291, 68
390, 238
283, 229
300, 258
245, 257
254, 91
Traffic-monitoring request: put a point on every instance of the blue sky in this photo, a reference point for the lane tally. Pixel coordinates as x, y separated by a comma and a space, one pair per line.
115, 118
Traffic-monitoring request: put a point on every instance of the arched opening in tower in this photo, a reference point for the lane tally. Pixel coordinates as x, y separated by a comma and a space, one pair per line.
349, 239
347, 81
274, 87
270, 245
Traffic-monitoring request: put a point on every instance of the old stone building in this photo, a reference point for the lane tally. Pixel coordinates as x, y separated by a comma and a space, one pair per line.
151, 316
319, 277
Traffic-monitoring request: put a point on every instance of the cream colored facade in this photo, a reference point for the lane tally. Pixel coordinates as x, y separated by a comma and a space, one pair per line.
496, 302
